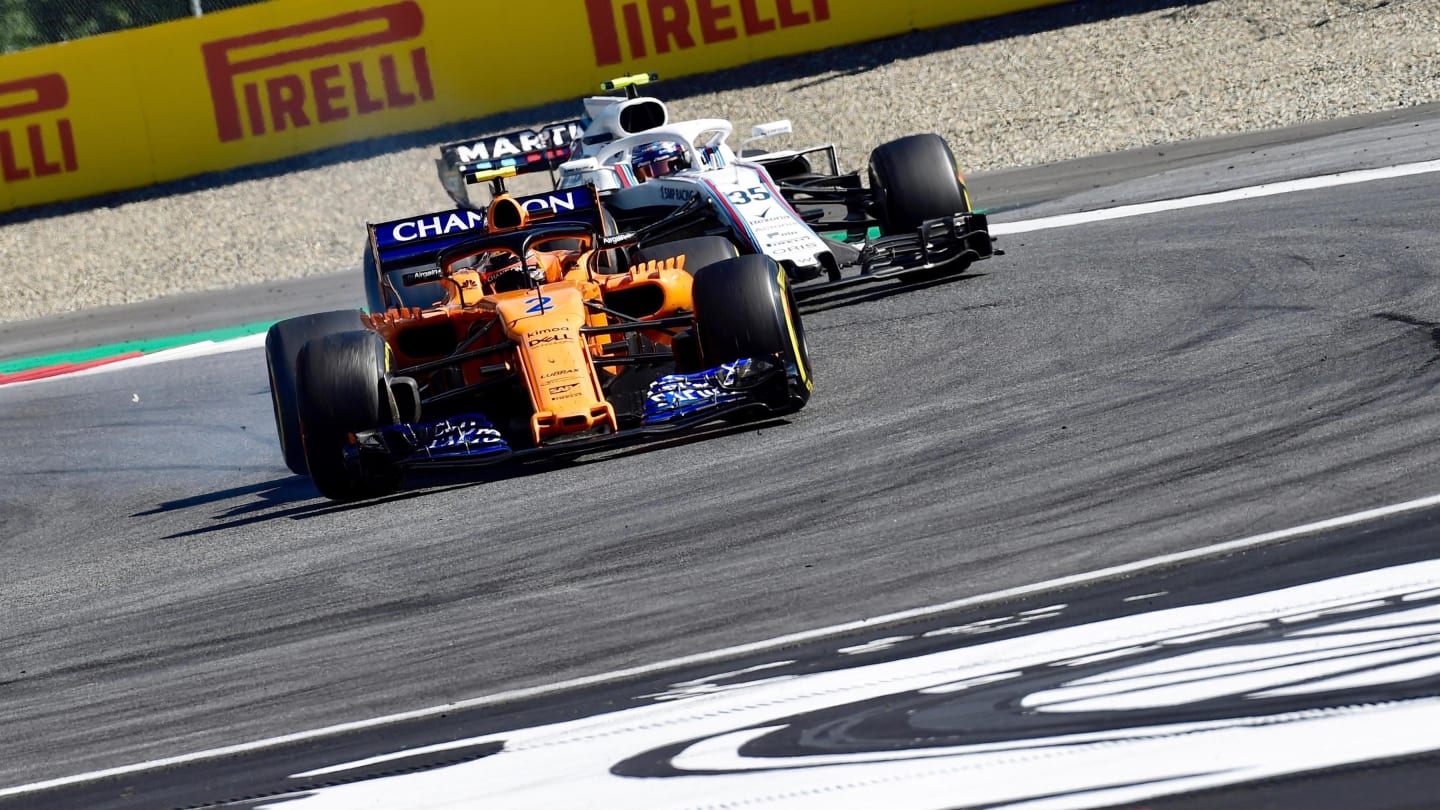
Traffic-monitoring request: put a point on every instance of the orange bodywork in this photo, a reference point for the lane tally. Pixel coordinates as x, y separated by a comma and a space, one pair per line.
536, 332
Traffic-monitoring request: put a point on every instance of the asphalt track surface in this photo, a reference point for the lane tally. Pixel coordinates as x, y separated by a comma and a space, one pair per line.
1296, 670
1101, 394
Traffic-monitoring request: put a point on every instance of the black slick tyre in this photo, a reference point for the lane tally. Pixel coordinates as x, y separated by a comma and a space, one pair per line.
343, 390
744, 309
699, 251
914, 179
282, 349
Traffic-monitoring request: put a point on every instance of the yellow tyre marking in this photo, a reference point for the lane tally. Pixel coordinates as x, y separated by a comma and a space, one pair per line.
794, 336
279, 413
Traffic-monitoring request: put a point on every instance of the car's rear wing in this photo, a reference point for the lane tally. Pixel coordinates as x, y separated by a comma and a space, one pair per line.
403, 251
417, 241
525, 150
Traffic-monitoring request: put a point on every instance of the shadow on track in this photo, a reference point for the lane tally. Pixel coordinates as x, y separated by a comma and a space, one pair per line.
293, 497
294, 493
876, 291
833, 64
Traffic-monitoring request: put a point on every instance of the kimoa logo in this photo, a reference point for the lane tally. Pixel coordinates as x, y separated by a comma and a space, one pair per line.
32, 148
321, 88
685, 24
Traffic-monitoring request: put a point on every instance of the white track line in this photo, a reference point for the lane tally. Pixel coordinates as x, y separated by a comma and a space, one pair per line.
1217, 198
204, 348
745, 649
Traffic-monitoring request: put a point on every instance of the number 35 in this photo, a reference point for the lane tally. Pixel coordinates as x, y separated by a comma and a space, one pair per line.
747, 195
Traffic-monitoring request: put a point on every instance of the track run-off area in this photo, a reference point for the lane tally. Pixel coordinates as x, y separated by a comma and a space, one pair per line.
1031, 465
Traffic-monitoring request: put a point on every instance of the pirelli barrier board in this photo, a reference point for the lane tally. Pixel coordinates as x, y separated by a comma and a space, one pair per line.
286, 77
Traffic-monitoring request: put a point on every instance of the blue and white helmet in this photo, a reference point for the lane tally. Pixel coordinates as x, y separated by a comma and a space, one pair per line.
658, 159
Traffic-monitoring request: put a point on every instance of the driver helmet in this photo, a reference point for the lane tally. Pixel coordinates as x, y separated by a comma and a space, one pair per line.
505, 272
658, 159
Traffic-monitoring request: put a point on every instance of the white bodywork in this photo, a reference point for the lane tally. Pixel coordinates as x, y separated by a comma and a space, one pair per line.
741, 192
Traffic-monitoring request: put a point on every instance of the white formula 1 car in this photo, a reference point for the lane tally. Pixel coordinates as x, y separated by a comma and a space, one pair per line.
909, 216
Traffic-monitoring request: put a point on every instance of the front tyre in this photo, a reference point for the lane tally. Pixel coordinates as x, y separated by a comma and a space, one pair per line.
914, 179
744, 309
342, 391
282, 350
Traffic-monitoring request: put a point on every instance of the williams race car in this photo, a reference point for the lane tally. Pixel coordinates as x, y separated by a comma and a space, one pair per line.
550, 335
909, 217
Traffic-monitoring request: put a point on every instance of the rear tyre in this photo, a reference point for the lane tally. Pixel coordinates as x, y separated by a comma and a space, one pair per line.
699, 251
282, 349
744, 309
915, 179
342, 390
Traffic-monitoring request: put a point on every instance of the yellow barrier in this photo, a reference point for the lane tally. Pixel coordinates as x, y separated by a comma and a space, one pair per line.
286, 77
69, 127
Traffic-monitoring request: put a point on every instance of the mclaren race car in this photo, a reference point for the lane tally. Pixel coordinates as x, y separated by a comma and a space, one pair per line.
910, 216
545, 333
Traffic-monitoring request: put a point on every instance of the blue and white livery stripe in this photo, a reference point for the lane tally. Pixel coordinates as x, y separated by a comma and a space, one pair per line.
759, 214
728, 212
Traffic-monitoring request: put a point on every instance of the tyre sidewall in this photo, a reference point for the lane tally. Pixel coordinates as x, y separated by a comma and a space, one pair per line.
744, 309
282, 350
342, 390
914, 179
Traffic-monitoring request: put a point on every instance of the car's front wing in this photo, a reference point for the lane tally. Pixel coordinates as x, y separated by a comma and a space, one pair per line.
677, 403
953, 241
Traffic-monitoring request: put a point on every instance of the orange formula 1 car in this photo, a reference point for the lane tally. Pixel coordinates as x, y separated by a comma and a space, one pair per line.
549, 336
